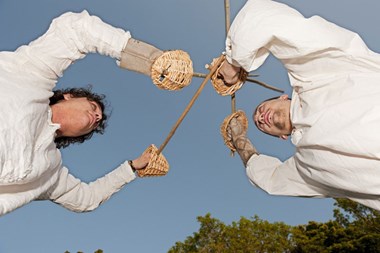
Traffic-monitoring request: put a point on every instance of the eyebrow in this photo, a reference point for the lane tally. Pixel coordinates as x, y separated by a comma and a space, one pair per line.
96, 105
254, 114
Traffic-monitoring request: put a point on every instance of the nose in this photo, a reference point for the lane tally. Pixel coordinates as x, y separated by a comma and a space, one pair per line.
260, 117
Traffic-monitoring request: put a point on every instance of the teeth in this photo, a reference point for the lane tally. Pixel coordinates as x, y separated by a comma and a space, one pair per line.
267, 117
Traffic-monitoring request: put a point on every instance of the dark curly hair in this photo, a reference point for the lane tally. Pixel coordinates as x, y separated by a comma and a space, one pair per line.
63, 142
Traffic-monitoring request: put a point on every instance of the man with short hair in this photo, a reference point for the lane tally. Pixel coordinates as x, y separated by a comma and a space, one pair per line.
334, 114
272, 117
35, 121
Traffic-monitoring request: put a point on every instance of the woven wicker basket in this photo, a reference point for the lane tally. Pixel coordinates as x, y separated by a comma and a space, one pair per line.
173, 70
219, 85
239, 115
157, 166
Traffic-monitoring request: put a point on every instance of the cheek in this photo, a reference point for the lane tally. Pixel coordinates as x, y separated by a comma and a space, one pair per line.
271, 130
80, 120
266, 129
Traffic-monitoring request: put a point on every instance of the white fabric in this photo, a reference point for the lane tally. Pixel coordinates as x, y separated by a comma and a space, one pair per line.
30, 164
335, 106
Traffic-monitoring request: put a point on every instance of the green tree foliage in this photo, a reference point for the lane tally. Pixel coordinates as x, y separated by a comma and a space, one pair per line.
321, 237
355, 228
97, 251
247, 235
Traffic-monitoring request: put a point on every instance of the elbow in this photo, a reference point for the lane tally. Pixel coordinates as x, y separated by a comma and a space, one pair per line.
81, 208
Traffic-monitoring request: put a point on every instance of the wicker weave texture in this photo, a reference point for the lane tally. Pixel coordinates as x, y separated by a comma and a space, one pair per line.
157, 166
173, 70
220, 87
242, 118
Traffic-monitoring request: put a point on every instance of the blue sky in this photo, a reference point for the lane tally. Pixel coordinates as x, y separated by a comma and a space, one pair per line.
151, 214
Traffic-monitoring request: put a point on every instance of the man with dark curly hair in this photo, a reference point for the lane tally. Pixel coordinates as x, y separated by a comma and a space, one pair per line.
36, 122
94, 99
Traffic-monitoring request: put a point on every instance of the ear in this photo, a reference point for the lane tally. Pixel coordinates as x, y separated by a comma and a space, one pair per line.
284, 97
283, 137
67, 96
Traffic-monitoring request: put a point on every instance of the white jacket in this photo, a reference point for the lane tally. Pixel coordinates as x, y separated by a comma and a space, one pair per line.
335, 106
30, 164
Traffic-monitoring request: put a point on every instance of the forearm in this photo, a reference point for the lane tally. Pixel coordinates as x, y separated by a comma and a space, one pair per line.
11, 201
139, 56
281, 178
263, 27
69, 38
78, 196
254, 28
89, 34
244, 148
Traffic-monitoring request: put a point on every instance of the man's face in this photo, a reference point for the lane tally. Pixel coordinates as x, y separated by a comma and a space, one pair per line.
273, 117
81, 116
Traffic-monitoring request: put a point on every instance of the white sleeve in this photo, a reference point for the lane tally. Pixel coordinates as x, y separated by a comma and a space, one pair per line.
78, 196
70, 37
278, 178
13, 200
304, 45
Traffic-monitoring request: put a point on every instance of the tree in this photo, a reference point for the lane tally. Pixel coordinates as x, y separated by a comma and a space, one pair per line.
321, 237
247, 235
97, 251
355, 214
355, 228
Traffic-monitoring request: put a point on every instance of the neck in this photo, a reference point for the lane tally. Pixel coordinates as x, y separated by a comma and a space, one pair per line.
56, 118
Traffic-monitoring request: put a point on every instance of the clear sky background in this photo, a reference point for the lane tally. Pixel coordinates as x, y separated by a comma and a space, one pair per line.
150, 214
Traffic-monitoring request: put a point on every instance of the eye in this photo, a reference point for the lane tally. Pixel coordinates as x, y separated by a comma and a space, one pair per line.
93, 106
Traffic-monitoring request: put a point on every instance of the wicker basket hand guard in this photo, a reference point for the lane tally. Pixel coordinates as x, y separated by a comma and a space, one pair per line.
173, 70
224, 128
218, 83
157, 166
169, 70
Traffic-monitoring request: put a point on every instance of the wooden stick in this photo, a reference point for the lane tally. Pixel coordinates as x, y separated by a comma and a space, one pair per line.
264, 85
228, 22
233, 102
200, 75
227, 10
196, 74
187, 109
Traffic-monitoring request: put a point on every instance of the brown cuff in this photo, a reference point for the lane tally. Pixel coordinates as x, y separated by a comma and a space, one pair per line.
139, 56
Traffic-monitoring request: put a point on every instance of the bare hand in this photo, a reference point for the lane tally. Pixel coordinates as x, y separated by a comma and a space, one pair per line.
243, 145
142, 161
235, 129
229, 73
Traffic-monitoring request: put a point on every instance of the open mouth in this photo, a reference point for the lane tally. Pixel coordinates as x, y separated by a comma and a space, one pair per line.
267, 118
